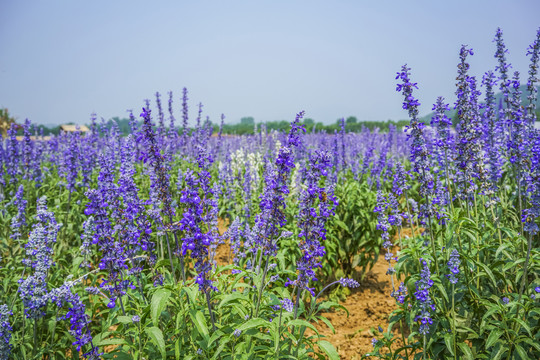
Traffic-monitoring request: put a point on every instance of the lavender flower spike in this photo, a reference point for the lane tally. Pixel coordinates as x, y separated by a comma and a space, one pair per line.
5, 332
453, 266
425, 304
33, 289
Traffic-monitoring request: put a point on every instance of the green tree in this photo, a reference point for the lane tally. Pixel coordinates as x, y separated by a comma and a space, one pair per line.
247, 120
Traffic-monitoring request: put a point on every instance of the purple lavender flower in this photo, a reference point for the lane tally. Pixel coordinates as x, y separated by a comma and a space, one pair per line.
70, 160
33, 288
234, 233
503, 66
172, 129
132, 218
399, 183
185, 117
400, 293
348, 283
197, 196
419, 154
532, 186
444, 140
287, 304
102, 201
13, 154
272, 202
19, 220
5, 332
517, 144
161, 116
469, 157
27, 150
424, 303
493, 131
533, 50
79, 321
382, 219
453, 266
316, 206
237, 332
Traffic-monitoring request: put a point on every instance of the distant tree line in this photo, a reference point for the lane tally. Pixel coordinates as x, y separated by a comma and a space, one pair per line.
248, 124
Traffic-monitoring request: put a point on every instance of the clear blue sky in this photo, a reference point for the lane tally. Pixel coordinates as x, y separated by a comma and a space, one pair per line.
62, 60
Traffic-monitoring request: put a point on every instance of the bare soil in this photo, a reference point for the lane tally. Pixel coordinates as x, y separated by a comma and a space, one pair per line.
369, 307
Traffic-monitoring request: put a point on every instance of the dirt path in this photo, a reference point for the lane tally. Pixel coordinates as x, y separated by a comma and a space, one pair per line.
369, 307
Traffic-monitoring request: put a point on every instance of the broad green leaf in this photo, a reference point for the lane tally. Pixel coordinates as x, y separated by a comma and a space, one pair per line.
494, 335
449, 341
522, 353
299, 322
158, 304
200, 323
125, 319
466, 351
329, 349
253, 323
156, 336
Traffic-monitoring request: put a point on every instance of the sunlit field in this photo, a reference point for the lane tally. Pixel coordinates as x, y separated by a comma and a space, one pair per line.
175, 242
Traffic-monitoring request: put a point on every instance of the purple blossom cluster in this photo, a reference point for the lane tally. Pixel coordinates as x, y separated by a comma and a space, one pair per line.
453, 266
79, 321
33, 288
19, 220
424, 302
272, 201
316, 205
5, 332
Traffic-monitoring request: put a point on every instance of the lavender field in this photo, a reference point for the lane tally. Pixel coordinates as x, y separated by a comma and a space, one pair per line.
108, 243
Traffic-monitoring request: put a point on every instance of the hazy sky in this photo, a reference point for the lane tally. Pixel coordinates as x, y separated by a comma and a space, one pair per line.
62, 60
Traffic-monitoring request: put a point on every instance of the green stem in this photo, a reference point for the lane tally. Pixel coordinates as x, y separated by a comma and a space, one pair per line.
409, 212
261, 286
424, 349
454, 323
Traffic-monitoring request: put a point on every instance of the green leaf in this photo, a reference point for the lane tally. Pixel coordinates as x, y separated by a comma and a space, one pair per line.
488, 272
524, 325
449, 341
329, 349
177, 349
156, 336
493, 337
223, 342
159, 301
522, 353
125, 319
299, 322
328, 323
231, 297
342, 225
253, 323
466, 351
200, 323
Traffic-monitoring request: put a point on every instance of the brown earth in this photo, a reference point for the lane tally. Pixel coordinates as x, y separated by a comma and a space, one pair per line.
369, 306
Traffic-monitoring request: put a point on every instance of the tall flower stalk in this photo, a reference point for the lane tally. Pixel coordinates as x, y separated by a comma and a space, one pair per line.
419, 155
